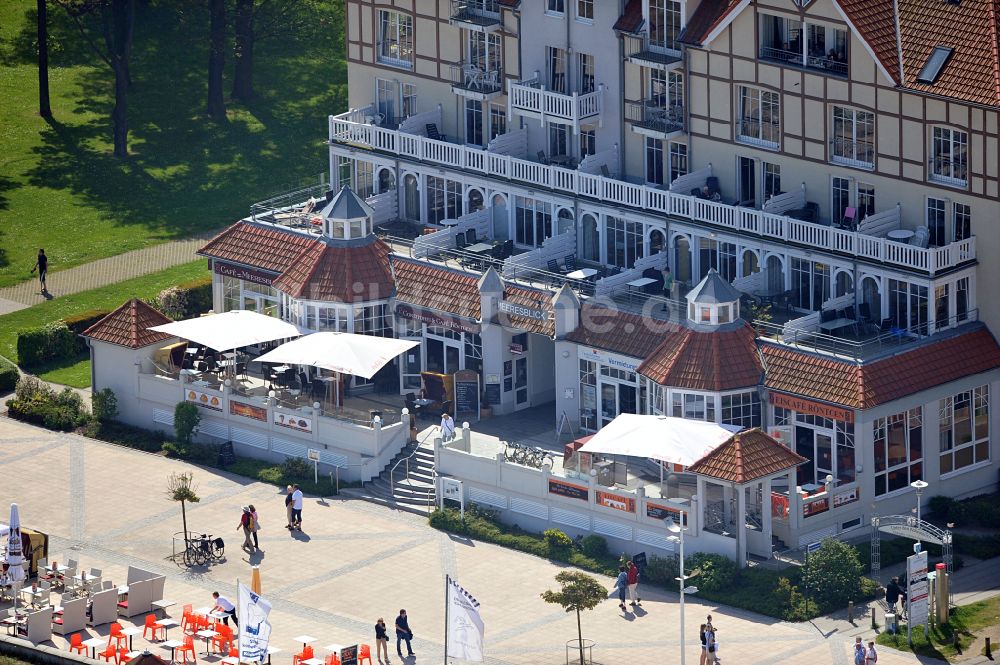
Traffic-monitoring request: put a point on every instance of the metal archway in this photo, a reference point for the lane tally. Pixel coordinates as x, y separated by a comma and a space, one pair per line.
908, 526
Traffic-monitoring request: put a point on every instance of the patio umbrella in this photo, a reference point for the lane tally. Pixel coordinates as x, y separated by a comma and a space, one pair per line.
343, 353
231, 330
255, 579
15, 554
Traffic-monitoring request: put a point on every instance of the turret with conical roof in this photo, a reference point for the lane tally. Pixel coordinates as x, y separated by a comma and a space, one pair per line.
713, 302
347, 217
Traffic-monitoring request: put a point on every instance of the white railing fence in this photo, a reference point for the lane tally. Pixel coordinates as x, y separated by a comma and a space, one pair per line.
444, 238
556, 248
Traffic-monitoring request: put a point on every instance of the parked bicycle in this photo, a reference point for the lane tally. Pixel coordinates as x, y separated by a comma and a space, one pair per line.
200, 551
526, 455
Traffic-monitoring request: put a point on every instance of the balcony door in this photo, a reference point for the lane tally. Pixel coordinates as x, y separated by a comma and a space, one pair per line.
556, 65
484, 51
746, 172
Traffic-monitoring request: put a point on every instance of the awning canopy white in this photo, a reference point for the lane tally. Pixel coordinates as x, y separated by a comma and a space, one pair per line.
672, 440
231, 330
347, 353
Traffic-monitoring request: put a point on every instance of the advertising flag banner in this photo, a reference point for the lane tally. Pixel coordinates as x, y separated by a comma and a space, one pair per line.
465, 626
916, 572
255, 629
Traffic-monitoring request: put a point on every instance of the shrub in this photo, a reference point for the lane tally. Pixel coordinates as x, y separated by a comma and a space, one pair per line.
983, 510
297, 467
833, 575
662, 571
557, 540
186, 419
186, 300
8, 375
35, 402
594, 546
77, 323
941, 507
129, 436
50, 343
104, 404
717, 572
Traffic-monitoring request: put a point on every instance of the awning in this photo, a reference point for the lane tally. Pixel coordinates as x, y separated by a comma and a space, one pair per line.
672, 440
347, 353
232, 330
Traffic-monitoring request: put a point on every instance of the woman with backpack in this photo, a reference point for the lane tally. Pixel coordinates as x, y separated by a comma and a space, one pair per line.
256, 527
246, 523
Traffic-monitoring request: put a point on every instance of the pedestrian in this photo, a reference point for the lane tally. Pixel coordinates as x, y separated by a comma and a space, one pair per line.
871, 656
256, 527
713, 647
297, 507
702, 635
246, 523
621, 584
403, 632
859, 651
668, 283
892, 594
224, 605
288, 506
633, 584
42, 266
382, 641
447, 427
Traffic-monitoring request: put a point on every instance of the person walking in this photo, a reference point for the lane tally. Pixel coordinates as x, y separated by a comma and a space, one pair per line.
255, 528
711, 655
859, 651
871, 656
704, 645
297, 507
633, 584
403, 633
42, 266
447, 427
246, 524
382, 641
288, 506
892, 594
621, 584
224, 605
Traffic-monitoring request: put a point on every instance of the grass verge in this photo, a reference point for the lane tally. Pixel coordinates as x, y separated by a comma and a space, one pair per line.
940, 642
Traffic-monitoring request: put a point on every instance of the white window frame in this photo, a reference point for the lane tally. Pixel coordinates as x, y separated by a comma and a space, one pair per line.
763, 102
951, 166
853, 153
584, 7
396, 43
909, 420
556, 8
979, 397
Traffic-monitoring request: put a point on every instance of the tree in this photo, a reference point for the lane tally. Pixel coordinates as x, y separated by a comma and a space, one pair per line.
186, 420
117, 20
579, 592
833, 575
44, 108
216, 58
257, 20
181, 487
243, 71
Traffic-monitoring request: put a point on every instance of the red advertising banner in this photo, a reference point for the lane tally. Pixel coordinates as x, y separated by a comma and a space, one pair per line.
622, 503
248, 411
568, 490
658, 511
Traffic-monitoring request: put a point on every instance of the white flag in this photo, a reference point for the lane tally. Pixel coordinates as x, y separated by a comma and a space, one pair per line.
255, 629
465, 626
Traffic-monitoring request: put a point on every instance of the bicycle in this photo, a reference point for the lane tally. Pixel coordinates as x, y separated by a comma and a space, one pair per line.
199, 551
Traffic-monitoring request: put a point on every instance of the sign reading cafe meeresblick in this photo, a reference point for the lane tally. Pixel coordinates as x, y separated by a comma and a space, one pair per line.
246, 274
520, 310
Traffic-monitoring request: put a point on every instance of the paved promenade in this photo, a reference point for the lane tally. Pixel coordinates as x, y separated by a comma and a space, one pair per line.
106, 506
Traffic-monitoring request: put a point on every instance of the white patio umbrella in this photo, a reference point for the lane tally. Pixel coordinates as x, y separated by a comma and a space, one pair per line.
14, 555
343, 353
232, 330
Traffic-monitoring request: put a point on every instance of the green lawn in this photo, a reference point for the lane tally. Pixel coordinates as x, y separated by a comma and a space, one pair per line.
77, 373
965, 621
61, 189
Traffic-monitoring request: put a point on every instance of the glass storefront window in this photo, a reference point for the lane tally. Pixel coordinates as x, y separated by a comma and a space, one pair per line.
898, 450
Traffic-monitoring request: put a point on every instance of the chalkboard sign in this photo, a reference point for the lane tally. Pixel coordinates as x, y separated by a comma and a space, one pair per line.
467, 392
639, 560
493, 394
349, 655
226, 454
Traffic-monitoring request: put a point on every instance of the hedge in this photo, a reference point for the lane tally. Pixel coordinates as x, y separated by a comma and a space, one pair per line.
50, 343
77, 323
8, 375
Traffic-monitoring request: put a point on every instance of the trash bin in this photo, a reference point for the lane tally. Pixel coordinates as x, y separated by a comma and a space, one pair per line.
891, 622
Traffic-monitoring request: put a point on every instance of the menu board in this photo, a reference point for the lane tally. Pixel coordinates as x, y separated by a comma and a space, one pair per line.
226, 454
467, 393
493, 393
349, 655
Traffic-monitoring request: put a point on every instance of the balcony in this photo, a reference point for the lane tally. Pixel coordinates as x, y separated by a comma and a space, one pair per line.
471, 81
655, 117
859, 154
763, 133
476, 15
830, 63
640, 51
953, 172
531, 98
349, 134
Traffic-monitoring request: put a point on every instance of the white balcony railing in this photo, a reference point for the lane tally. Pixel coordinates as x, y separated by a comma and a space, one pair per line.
531, 97
348, 130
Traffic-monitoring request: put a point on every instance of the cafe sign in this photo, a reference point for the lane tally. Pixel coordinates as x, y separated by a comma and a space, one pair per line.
293, 421
246, 274
520, 310
812, 408
437, 319
203, 399
622, 503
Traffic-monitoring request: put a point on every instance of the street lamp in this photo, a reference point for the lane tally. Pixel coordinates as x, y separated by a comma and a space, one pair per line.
678, 531
920, 486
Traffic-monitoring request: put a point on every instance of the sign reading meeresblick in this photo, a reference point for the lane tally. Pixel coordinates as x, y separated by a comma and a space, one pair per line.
520, 310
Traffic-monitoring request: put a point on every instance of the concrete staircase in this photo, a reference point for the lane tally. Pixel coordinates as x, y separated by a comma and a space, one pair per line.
413, 494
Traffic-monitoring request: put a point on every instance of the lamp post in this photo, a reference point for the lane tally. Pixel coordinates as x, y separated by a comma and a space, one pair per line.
918, 485
678, 531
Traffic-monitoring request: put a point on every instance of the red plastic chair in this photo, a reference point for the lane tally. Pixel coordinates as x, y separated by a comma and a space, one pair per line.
364, 653
188, 622
109, 653
116, 635
76, 644
307, 653
332, 659
185, 649
123, 656
224, 640
151, 625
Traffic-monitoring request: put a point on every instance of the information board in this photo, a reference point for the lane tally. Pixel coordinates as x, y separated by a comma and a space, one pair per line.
349, 655
918, 587
226, 454
493, 394
467, 393
568, 490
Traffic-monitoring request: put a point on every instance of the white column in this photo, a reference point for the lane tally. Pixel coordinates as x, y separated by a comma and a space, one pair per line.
741, 524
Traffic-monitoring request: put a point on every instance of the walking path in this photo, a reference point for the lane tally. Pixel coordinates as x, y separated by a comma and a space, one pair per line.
354, 562
100, 273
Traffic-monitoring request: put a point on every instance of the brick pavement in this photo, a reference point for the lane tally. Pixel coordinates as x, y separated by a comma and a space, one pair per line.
106, 506
99, 273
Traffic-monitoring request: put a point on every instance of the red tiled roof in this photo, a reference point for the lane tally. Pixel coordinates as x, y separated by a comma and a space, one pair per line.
438, 288
534, 299
876, 25
261, 247
621, 332
631, 19
127, 326
882, 381
708, 15
340, 273
720, 360
745, 457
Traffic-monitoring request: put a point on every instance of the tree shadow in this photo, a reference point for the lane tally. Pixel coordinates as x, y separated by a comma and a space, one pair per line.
187, 174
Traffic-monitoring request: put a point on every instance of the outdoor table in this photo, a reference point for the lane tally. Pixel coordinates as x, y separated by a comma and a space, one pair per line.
271, 650
305, 639
767, 295
56, 568
561, 160
172, 645
162, 605
639, 283
32, 594
900, 235
313, 661
93, 643
582, 273
167, 623
448, 222
334, 648
208, 635
479, 248
231, 660
837, 324
123, 590
131, 631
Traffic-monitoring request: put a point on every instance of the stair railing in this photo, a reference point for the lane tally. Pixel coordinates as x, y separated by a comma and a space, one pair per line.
406, 462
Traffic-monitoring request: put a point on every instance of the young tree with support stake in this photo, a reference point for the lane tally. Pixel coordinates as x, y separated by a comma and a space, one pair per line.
180, 487
579, 592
